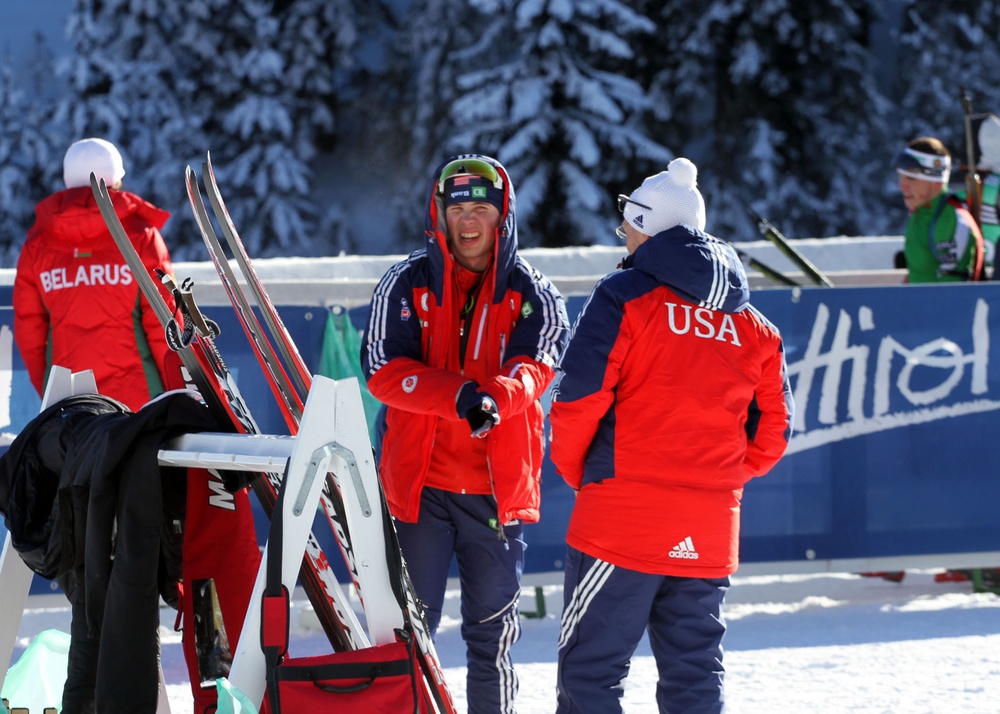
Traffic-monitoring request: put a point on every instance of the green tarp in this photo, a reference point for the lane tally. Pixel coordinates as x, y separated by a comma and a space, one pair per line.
341, 358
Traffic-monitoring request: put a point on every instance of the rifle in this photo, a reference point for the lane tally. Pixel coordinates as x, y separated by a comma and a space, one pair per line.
973, 187
774, 235
973, 184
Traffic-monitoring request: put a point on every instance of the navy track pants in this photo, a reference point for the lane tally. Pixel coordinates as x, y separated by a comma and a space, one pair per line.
489, 572
607, 608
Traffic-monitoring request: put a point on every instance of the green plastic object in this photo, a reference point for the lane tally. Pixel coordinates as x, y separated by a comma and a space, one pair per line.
36, 680
232, 700
341, 358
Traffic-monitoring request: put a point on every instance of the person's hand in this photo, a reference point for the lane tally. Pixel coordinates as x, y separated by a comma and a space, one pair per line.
483, 417
478, 408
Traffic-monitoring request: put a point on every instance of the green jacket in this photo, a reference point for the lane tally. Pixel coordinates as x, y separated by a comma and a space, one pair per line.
939, 245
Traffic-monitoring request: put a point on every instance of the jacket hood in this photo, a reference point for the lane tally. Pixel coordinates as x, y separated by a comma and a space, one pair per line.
696, 266
436, 233
73, 215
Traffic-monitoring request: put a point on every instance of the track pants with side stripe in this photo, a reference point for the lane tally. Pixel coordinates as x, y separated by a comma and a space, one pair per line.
607, 608
489, 571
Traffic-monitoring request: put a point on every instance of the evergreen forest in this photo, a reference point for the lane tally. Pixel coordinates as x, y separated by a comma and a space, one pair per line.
326, 118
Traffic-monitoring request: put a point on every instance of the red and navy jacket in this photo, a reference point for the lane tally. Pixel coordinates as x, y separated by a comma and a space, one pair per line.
409, 353
77, 304
673, 393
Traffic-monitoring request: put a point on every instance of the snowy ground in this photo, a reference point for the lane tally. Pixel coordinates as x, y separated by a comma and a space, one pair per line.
818, 643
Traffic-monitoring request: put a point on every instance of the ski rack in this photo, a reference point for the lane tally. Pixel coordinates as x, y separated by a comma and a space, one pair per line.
331, 439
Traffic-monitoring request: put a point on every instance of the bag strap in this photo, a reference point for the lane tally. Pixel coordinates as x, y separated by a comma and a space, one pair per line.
399, 580
978, 256
275, 602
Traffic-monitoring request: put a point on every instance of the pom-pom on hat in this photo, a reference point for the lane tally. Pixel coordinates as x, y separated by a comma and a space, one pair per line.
668, 199
92, 155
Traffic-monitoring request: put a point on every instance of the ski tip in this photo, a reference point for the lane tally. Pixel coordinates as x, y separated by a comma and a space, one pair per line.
762, 224
206, 168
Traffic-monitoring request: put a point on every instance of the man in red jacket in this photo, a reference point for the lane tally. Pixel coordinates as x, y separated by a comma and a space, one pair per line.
462, 342
672, 394
76, 303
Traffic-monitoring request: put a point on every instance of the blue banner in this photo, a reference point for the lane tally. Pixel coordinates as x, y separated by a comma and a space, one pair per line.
891, 454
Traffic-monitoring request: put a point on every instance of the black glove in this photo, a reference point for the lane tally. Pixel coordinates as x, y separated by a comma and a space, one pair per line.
478, 408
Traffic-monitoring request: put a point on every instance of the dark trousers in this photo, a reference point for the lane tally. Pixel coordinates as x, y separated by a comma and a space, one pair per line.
607, 608
489, 570
81, 667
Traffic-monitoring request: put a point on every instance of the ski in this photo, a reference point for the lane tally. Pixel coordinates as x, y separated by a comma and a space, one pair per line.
204, 367
332, 505
764, 269
301, 372
289, 401
772, 234
405, 602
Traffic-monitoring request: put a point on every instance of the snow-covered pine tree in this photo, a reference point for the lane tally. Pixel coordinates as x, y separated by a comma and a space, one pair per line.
25, 156
252, 82
566, 127
776, 103
318, 40
436, 32
941, 52
130, 81
255, 149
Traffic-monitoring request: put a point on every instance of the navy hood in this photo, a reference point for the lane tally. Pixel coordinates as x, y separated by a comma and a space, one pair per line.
696, 266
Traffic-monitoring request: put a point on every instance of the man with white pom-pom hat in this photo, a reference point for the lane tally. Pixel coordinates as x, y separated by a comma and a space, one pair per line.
672, 394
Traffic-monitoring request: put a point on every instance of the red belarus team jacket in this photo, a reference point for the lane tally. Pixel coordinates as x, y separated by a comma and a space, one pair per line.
77, 304
673, 395
409, 352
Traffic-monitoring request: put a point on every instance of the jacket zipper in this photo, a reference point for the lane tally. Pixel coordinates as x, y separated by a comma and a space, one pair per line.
501, 535
479, 332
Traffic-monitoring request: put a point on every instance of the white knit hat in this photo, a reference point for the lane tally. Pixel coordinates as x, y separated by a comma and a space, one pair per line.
989, 144
672, 198
92, 156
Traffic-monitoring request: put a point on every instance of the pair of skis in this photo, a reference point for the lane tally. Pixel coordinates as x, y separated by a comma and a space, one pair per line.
290, 379
380, 607
205, 369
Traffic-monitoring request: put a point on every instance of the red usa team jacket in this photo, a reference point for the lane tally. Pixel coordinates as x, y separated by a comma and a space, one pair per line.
673, 393
410, 356
77, 304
